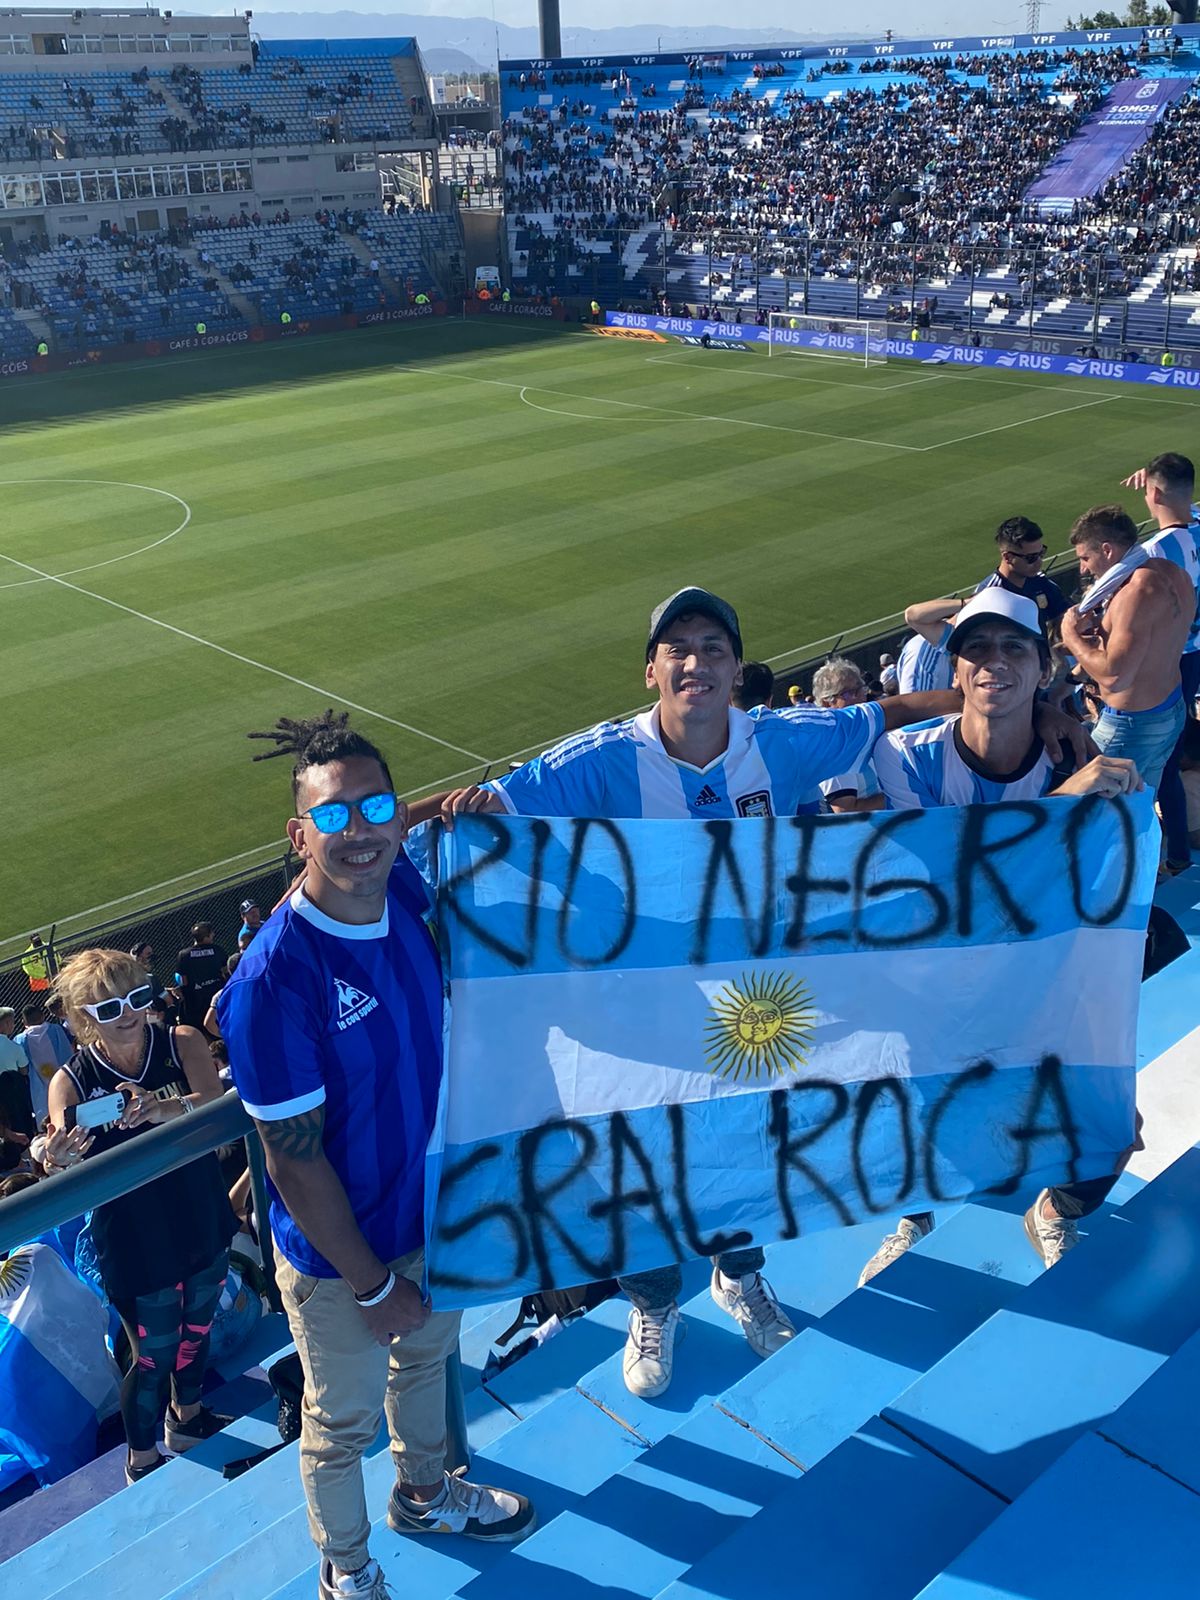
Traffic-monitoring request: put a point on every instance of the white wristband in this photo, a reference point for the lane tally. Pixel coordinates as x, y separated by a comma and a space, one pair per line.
381, 1294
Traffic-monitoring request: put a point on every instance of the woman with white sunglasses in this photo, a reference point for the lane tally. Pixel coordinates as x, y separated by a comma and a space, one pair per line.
162, 1248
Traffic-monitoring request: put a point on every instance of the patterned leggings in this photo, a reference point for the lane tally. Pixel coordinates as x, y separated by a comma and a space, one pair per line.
168, 1334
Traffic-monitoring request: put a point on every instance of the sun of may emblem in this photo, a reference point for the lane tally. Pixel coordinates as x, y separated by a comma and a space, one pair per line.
760, 1024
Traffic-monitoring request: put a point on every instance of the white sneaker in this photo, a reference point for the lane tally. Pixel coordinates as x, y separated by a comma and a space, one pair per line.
650, 1350
895, 1244
368, 1583
752, 1304
475, 1510
1051, 1237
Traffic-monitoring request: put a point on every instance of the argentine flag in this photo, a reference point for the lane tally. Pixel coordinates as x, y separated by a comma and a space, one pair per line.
670, 1038
57, 1378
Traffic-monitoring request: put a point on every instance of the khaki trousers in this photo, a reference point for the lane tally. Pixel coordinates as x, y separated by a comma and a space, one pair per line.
349, 1382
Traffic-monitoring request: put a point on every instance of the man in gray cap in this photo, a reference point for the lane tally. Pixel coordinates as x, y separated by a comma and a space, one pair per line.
693, 754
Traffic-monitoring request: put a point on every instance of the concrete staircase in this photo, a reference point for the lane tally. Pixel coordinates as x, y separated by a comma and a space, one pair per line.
364, 252
967, 1427
209, 269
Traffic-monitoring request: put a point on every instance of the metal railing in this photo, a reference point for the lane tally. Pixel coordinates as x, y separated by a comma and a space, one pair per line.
137, 1162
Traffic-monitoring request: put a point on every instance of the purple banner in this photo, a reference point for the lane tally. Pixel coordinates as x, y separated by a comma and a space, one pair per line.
1106, 141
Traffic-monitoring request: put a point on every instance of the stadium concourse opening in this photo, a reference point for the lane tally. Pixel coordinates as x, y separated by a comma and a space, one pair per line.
729, 339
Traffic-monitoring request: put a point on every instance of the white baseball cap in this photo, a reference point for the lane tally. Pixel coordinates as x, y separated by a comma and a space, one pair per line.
995, 604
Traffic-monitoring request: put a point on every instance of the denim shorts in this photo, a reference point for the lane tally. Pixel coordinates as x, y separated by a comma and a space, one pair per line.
1146, 738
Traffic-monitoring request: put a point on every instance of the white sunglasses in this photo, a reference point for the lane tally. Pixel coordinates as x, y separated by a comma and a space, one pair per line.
139, 999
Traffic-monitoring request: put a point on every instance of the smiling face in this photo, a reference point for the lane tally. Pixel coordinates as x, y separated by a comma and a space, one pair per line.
348, 870
695, 670
999, 668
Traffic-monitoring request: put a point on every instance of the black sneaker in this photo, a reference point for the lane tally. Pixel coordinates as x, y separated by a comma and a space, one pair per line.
181, 1437
136, 1474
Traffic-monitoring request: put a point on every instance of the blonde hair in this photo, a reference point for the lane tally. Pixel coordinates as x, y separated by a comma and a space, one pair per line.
93, 975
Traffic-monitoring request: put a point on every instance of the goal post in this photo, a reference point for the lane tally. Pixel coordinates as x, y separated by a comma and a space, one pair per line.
837, 338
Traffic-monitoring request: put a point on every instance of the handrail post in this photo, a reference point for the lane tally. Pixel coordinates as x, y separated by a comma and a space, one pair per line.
262, 1215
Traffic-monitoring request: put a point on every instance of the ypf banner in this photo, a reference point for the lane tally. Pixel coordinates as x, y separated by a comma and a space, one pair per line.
667, 1039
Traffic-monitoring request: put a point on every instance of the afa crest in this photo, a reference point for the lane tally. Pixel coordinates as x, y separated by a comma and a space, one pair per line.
762, 1025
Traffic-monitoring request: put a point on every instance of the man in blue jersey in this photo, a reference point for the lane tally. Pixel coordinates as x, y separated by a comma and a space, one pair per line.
924, 665
990, 752
1019, 570
1169, 484
695, 755
334, 1025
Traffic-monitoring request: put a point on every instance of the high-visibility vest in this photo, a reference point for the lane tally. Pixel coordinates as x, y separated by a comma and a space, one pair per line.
36, 965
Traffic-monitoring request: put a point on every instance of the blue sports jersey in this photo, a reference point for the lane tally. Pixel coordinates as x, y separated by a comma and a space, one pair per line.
923, 666
324, 1013
928, 765
1181, 547
770, 768
1044, 592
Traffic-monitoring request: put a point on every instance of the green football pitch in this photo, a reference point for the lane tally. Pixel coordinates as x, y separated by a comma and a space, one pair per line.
458, 530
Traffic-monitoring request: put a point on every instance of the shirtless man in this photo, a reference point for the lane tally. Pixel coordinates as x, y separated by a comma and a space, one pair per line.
1131, 646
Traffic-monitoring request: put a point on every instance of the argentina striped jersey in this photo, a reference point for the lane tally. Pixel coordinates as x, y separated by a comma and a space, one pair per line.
923, 666
770, 768
1181, 547
929, 765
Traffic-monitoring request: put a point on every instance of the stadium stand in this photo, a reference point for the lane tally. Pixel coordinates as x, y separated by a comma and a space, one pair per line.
861, 186
121, 141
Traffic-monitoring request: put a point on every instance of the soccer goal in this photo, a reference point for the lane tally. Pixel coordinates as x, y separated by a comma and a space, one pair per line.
840, 338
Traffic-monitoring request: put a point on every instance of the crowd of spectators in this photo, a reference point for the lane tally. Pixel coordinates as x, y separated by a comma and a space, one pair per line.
916, 174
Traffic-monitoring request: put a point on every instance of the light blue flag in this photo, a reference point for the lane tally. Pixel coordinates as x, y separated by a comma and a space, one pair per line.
668, 1039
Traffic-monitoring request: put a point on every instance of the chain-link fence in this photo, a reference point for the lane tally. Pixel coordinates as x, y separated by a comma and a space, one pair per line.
166, 927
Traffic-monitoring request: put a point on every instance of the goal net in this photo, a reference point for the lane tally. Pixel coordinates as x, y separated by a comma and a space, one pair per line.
840, 338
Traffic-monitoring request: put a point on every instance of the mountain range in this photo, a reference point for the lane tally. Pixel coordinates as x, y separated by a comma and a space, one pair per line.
470, 44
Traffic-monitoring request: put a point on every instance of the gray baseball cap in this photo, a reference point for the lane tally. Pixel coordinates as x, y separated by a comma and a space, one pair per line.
692, 599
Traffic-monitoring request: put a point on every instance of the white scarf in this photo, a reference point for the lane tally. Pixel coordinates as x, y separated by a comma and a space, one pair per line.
1102, 591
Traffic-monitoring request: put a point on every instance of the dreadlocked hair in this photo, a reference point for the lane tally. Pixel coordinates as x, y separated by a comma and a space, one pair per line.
316, 742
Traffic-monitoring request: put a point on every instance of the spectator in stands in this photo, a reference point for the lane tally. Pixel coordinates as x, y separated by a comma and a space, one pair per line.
924, 664
47, 1047
693, 755
1128, 635
16, 1112
889, 678
252, 918
987, 752
198, 968
163, 1247
1169, 484
838, 683
336, 1006
1022, 552
756, 688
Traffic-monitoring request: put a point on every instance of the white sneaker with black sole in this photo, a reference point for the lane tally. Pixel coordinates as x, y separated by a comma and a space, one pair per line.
650, 1350
752, 1304
475, 1510
368, 1583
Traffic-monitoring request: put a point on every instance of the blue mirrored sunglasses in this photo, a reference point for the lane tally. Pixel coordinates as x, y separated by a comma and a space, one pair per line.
335, 816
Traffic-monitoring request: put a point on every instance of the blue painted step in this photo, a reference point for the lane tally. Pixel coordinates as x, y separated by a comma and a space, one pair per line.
557, 1457
810, 1275
646, 1524
873, 1521
1096, 1526
1015, 1394
1156, 1423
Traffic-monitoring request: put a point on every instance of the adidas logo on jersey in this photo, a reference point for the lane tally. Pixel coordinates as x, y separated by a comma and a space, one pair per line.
353, 1004
708, 796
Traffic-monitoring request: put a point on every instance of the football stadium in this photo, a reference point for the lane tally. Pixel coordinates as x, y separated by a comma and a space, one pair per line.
787, 439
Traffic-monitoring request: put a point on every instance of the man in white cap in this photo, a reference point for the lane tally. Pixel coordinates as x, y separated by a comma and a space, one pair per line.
694, 755
987, 752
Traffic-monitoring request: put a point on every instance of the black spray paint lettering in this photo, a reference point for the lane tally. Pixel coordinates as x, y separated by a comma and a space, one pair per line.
765, 880
568, 1175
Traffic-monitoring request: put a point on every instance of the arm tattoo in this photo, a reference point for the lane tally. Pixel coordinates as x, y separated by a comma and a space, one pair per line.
294, 1138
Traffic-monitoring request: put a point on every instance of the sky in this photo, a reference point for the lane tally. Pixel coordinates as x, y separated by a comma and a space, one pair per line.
927, 19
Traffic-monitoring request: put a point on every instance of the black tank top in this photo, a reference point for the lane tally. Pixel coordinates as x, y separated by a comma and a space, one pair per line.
174, 1226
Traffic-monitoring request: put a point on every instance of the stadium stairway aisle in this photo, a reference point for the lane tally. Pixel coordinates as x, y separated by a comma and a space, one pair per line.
926, 1435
